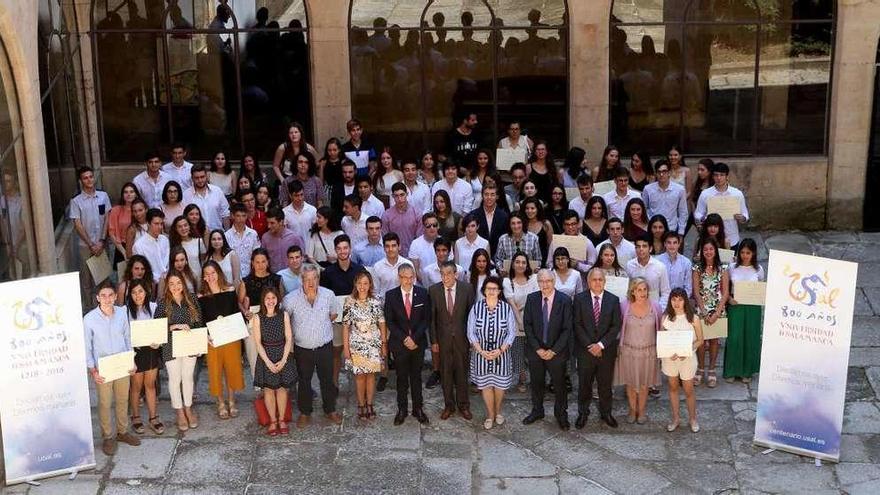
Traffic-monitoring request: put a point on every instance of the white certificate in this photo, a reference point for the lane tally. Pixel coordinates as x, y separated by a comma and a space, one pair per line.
340, 303
750, 292
570, 194
600, 188
100, 267
535, 264
725, 255
227, 329
116, 366
675, 343
726, 206
617, 286
717, 330
505, 158
192, 342
148, 332
576, 245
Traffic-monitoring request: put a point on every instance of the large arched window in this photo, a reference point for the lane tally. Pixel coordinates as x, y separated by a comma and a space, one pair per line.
415, 64
731, 77
236, 71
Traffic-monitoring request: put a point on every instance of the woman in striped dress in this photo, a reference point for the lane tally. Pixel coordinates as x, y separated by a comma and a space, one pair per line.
491, 330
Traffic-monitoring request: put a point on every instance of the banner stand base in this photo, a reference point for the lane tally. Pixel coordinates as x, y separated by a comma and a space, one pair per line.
773, 447
32, 483
73, 475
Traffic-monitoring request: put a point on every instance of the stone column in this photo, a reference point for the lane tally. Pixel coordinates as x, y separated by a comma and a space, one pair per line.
84, 75
588, 75
851, 103
331, 81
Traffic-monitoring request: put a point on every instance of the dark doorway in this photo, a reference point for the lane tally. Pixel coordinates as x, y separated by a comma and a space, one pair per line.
872, 181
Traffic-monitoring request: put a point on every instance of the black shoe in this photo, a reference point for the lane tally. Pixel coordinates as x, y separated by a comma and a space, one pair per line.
420, 416
609, 420
564, 425
383, 382
654, 392
401, 415
532, 417
433, 380
581, 421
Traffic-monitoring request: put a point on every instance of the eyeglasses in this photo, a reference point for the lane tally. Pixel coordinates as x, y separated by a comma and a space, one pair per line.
664, 171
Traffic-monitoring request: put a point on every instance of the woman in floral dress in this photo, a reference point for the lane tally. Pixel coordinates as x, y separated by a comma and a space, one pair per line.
711, 283
364, 341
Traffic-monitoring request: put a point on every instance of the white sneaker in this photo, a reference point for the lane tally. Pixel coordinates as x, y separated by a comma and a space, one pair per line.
499, 419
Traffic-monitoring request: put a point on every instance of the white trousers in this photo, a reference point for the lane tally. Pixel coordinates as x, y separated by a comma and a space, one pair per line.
181, 381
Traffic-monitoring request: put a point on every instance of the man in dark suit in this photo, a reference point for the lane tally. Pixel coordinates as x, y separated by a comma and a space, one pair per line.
493, 220
408, 318
597, 321
547, 322
451, 302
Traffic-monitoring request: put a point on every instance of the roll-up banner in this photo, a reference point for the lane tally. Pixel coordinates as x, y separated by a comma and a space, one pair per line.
45, 413
805, 354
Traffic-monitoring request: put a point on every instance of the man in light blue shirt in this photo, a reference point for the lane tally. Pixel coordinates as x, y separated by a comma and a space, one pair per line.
369, 252
312, 310
667, 198
106, 333
290, 276
678, 267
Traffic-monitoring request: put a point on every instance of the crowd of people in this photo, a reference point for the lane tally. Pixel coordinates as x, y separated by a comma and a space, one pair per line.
358, 260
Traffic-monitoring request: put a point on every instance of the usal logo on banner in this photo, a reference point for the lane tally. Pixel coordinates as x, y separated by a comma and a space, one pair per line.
805, 354
47, 423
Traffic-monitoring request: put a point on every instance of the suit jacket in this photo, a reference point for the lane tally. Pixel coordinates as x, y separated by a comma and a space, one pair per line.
446, 327
499, 225
560, 328
417, 325
610, 320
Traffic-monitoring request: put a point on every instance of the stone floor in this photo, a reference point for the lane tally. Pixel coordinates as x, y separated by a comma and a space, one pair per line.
459, 457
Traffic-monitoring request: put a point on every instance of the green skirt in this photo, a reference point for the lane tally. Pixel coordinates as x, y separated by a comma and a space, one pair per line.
742, 352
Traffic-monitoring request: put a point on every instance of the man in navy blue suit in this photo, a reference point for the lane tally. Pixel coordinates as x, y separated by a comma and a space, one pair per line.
408, 318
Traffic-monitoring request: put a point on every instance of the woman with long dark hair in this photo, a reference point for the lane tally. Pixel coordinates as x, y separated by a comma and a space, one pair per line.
195, 247
534, 222
220, 252
172, 202
119, 219
284, 163
606, 260
575, 165
542, 170
635, 220
306, 172
658, 227
330, 166
597, 216
320, 244
556, 210
610, 161
680, 370
480, 267
222, 175
137, 267
449, 220
483, 167
147, 360
137, 226
274, 373
428, 173
250, 169
742, 349
387, 174
641, 172
517, 286
710, 282
197, 226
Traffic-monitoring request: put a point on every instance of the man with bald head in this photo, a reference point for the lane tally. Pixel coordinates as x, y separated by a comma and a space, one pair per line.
547, 322
597, 321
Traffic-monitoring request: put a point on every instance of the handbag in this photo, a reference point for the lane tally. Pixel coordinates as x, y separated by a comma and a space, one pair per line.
263, 412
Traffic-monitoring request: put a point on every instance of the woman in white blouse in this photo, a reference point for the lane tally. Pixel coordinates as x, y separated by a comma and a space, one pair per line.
222, 175
516, 140
517, 287
194, 246
568, 281
320, 248
466, 246
742, 352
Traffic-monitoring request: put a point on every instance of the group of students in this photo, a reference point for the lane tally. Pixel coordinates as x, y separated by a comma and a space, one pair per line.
416, 263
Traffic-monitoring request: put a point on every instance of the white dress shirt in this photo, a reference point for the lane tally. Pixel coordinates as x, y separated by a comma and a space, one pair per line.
432, 274
300, 221
422, 250
579, 206
670, 202
385, 275
243, 244
655, 273
461, 194
617, 204
151, 190
355, 229
731, 226
212, 202
156, 250
373, 207
183, 174
92, 210
419, 197
625, 250
679, 272
464, 249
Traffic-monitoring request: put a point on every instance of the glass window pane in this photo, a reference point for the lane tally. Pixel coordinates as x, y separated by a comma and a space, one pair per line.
645, 92
727, 10
718, 87
375, 13
636, 11
520, 14
532, 85
457, 13
204, 103
794, 73
387, 90
274, 88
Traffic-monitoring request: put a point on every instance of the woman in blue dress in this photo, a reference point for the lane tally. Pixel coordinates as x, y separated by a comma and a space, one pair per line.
491, 331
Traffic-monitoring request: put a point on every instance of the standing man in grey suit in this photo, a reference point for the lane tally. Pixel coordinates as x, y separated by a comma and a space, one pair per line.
597, 322
451, 302
547, 322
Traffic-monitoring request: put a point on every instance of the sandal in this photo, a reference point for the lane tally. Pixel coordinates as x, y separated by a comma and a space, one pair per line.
370, 412
137, 425
672, 426
221, 410
156, 425
182, 423
283, 429
192, 418
362, 412
747, 379
698, 378
521, 388
712, 381
273, 429
233, 410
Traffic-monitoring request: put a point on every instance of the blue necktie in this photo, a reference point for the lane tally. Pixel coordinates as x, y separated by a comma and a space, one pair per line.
546, 313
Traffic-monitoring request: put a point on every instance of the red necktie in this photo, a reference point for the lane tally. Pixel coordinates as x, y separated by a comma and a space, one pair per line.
597, 307
408, 305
